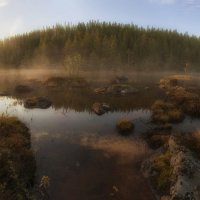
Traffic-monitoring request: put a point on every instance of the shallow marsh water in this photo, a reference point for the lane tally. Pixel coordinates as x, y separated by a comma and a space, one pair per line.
82, 153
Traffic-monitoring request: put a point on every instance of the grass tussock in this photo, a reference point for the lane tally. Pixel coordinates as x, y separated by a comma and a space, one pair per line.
175, 81
163, 170
188, 101
182, 77
66, 82
180, 95
17, 164
125, 126
164, 112
157, 138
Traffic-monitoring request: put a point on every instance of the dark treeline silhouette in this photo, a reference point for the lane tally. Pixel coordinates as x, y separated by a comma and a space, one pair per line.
97, 45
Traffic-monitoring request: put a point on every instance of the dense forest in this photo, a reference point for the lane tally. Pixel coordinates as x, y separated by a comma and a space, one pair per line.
97, 45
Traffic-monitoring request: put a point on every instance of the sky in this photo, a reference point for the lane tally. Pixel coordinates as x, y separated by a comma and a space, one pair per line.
19, 16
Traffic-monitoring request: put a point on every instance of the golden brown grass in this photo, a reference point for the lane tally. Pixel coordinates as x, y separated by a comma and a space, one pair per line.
125, 126
161, 165
164, 112
17, 164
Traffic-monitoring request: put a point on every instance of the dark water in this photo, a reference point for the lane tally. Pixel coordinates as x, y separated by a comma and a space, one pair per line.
82, 153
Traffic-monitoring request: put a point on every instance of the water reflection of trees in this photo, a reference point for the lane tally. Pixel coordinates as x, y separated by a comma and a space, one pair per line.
80, 100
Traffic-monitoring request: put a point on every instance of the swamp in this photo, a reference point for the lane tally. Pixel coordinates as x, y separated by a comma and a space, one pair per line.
99, 110
83, 143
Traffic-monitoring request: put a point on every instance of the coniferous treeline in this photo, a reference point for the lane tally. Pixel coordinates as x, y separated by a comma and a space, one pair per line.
103, 45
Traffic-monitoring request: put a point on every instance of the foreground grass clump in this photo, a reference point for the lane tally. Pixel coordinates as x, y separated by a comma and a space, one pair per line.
125, 126
163, 170
188, 101
164, 112
17, 164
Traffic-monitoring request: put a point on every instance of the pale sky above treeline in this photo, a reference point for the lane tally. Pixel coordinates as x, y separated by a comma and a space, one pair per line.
19, 16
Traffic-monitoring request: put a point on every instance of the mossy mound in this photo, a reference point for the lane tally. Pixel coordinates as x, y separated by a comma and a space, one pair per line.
17, 163
188, 101
183, 91
119, 80
165, 112
125, 126
173, 170
100, 108
163, 170
169, 82
66, 82
176, 80
117, 89
37, 102
157, 138
180, 95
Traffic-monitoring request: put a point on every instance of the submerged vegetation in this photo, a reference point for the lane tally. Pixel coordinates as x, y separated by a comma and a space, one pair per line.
17, 163
97, 45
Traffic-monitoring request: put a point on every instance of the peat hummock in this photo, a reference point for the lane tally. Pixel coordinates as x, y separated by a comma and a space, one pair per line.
37, 102
17, 163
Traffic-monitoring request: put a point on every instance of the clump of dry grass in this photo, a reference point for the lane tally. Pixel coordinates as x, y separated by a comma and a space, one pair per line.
17, 163
188, 101
181, 95
180, 92
157, 138
125, 126
165, 112
161, 179
37, 102
176, 80
66, 82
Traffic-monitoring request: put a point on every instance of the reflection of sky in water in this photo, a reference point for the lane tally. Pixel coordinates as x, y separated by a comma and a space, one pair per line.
78, 150
60, 121
53, 122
